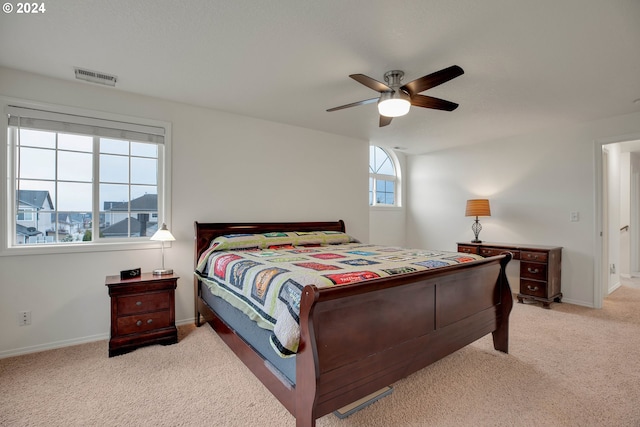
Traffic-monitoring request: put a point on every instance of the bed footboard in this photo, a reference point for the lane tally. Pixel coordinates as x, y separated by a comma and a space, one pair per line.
356, 339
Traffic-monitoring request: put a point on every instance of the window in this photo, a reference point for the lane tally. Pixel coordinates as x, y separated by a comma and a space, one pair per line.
78, 180
25, 214
383, 178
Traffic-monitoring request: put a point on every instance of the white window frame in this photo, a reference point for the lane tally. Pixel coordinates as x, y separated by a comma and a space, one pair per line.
395, 178
8, 214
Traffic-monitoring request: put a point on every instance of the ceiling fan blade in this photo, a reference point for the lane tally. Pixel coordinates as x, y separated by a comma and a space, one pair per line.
370, 83
433, 79
354, 104
431, 102
384, 120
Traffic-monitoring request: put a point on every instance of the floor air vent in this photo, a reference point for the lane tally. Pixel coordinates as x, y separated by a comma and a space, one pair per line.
96, 77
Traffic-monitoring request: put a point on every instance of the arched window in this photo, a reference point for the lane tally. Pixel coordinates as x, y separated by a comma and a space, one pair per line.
383, 179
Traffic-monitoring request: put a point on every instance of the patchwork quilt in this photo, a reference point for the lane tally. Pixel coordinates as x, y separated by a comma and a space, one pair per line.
263, 275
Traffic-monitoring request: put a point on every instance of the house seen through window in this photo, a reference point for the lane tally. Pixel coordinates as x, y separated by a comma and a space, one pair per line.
79, 179
382, 178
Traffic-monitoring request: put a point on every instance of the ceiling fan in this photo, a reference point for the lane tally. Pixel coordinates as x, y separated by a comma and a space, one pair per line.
395, 100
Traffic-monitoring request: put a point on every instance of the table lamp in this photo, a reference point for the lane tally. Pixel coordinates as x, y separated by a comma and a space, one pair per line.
477, 207
163, 235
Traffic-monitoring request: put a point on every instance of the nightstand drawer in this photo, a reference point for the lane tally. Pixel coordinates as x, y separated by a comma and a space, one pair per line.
533, 288
143, 302
533, 270
533, 256
142, 323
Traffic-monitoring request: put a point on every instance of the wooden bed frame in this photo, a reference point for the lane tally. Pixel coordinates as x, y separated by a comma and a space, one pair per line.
358, 338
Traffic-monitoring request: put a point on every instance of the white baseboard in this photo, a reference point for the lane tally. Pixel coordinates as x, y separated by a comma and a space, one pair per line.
67, 343
614, 287
52, 345
185, 321
588, 304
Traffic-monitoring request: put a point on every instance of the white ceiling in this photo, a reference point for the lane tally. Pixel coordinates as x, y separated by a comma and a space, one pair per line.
529, 64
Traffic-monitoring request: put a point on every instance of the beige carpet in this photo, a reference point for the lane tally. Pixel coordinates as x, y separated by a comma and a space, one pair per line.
568, 366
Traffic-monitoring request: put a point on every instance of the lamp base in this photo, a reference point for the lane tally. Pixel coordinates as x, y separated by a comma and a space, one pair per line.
162, 272
476, 227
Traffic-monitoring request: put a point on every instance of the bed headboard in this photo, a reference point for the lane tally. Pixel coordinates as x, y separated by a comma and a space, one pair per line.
207, 231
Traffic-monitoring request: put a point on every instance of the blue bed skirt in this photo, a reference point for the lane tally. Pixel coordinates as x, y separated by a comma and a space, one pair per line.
252, 334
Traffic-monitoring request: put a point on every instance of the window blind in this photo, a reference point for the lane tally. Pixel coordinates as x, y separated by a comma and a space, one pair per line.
30, 118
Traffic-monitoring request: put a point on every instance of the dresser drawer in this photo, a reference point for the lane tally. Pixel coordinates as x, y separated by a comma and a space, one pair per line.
533, 256
143, 322
487, 252
533, 270
468, 249
533, 288
142, 303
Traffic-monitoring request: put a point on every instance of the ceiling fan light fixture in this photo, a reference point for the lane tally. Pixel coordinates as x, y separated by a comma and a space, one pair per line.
394, 104
396, 99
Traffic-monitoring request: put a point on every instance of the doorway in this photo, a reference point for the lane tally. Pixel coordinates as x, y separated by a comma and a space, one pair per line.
635, 216
617, 214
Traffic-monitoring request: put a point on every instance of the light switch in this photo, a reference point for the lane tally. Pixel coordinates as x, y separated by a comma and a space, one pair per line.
575, 216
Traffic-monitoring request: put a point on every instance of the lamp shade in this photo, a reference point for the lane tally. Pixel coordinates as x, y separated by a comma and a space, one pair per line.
163, 234
478, 207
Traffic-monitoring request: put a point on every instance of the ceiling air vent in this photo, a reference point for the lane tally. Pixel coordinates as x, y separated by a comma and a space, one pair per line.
96, 77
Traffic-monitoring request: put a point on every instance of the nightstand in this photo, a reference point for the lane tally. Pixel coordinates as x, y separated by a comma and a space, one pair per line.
142, 312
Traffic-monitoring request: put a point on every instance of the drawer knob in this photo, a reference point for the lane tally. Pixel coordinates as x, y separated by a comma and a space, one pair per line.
532, 256
532, 288
138, 303
139, 322
150, 321
533, 270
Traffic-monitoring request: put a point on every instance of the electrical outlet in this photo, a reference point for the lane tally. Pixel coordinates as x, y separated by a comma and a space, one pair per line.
24, 318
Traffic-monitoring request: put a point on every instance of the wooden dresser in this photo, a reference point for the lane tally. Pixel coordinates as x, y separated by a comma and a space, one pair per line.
142, 312
540, 268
